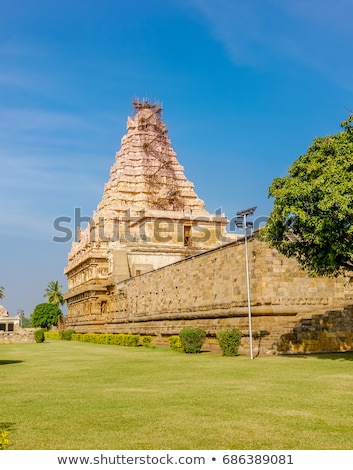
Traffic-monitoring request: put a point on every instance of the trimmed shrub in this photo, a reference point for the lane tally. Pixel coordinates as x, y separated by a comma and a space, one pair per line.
66, 334
108, 338
229, 341
39, 336
175, 343
147, 341
192, 339
52, 335
131, 340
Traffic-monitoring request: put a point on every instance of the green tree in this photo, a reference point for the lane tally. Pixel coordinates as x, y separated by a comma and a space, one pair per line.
312, 217
26, 322
45, 315
2, 295
54, 294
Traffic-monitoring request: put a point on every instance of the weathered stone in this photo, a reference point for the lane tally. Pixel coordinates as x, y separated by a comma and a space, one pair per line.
3, 312
149, 217
152, 273
20, 335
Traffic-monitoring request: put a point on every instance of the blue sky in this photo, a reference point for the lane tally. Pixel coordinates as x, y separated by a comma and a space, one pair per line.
245, 87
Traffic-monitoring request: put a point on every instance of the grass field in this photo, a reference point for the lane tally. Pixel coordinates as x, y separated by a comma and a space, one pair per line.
71, 395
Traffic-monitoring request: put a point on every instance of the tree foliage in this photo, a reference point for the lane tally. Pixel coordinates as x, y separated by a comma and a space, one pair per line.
54, 294
45, 315
312, 217
2, 295
26, 322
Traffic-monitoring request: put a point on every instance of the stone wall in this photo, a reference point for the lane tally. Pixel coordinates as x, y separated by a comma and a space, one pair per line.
331, 331
18, 336
209, 290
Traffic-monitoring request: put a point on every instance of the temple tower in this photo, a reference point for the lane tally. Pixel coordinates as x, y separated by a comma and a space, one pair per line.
149, 217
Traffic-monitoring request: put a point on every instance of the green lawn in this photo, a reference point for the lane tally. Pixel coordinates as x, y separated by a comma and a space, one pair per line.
72, 395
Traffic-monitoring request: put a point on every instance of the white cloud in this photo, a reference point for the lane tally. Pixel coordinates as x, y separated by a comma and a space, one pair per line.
44, 170
17, 120
333, 15
16, 221
12, 47
33, 193
315, 35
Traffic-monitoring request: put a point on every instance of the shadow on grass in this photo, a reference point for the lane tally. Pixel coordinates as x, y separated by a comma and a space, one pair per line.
334, 356
7, 426
6, 362
347, 356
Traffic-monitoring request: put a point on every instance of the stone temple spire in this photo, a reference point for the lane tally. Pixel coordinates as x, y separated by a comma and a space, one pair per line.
149, 215
146, 173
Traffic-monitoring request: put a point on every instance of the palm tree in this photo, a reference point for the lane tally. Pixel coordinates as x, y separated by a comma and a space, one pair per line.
2, 295
54, 294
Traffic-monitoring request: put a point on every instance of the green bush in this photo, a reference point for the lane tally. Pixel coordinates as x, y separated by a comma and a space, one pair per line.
229, 341
147, 341
66, 334
192, 339
131, 340
175, 343
52, 335
108, 338
39, 336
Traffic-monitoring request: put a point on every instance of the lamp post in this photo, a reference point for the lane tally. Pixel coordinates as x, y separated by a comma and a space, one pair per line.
241, 222
20, 313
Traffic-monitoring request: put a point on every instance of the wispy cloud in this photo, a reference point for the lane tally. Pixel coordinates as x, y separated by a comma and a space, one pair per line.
33, 131
33, 192
32, 119
20, 70
16, 221
44, 160
312, 34
332, 15
14, 48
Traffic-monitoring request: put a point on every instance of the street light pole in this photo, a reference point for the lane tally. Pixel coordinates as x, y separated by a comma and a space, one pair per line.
248, 287
20, 313
242, 222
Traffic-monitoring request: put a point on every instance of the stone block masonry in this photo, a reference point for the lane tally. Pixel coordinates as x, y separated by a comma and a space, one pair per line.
153, 260
329, 332
209, 290
18, 336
